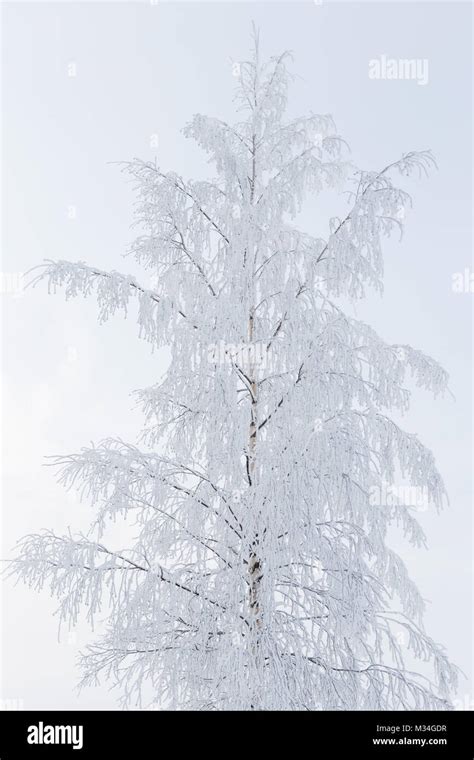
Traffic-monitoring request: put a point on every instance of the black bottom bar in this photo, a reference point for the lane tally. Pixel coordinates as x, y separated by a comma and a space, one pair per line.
128, 734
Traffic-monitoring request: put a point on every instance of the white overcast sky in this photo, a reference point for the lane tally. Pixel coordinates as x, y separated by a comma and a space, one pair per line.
144, 69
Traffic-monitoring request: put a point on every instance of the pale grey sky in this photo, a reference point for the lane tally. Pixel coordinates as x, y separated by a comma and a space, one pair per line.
140, 70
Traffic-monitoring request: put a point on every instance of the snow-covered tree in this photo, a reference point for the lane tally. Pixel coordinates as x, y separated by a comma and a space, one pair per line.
258, 575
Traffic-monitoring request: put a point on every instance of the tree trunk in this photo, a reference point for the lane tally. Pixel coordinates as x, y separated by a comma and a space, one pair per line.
255, 568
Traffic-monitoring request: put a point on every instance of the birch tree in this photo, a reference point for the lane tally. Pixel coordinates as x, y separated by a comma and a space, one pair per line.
258, 575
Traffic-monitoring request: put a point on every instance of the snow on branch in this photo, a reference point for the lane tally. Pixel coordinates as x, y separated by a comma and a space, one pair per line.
113, 292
